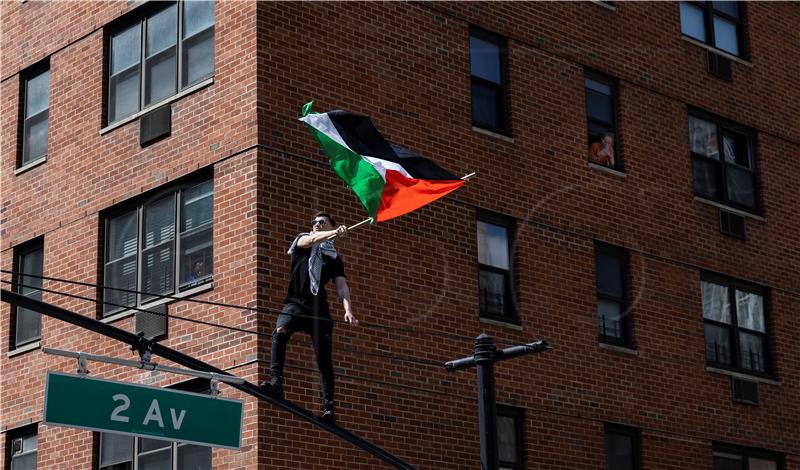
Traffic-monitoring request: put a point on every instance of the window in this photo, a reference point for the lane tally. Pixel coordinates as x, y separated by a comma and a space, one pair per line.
487, 58
622, 447
601, 116
159, 54
120, 452
718, 24
23, 449
149, 247
735, 325
35, 113
27, 325
729, 178
494, 267
727, 457
613, 315
510, 438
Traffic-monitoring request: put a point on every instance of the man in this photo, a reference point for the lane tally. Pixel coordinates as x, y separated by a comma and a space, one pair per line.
603, 152
314, 263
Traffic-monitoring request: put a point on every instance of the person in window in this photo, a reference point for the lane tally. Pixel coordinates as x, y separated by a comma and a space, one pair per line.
603, 152
315, 262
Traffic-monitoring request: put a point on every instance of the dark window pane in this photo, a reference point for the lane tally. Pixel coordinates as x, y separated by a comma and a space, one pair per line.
161, 460
160, 76
197, 257
741, 186
146, 445
725, 36
692, 23
120, 274
123, 92
493, 245
28, 324
197, 16
730, 8
610, 320
718, 348
125, 49
761, 464
484, 58
24, 462
191, 457
706, 178
198, 206
750, 311
198, 57
162, 30
115, 449
751, 349
736, 149
619, 452
492, 287
507, 439
599, 106
37, 94
727, 463
35, 137
609, 275
485, 105
122, 236
716, 302
703, 137
159, 222
157, 268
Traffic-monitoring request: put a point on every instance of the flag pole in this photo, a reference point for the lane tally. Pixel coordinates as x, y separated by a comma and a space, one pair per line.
353, 227
467, 177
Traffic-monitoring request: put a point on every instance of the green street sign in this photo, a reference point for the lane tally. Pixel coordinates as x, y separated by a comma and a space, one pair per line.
78, 401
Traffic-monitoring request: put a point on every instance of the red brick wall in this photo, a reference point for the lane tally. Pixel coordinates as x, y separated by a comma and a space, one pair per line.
407, 66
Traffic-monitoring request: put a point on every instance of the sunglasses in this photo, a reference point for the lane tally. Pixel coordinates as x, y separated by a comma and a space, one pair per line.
318, 222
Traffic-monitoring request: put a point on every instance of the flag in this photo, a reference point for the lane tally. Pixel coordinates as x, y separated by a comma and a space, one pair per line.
389, 180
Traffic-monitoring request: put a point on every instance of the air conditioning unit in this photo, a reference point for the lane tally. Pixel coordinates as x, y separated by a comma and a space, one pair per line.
731, 224
152, 325
155, 125
744, 391
719, 66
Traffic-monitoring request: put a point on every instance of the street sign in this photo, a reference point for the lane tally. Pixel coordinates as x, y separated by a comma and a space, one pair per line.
79, 401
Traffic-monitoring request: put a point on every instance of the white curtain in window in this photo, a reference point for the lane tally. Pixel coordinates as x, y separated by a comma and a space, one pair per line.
716, 304
750, 311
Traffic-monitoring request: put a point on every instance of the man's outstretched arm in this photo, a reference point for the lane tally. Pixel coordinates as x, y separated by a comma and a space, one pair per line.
344, 295
315, 238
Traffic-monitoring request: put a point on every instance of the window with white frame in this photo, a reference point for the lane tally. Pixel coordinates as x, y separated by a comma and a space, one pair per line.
155, 55
161, 247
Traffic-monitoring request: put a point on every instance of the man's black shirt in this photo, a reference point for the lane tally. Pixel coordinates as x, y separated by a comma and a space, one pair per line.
299, 290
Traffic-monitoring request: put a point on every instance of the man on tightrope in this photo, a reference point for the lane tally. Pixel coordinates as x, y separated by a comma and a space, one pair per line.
314, 263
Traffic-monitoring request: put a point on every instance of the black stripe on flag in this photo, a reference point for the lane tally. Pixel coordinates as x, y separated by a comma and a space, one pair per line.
362, 137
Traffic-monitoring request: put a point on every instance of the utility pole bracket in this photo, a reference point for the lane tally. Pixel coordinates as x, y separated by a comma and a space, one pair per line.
144, 347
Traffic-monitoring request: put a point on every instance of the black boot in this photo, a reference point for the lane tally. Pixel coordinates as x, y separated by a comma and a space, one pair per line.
328, 412
275, 386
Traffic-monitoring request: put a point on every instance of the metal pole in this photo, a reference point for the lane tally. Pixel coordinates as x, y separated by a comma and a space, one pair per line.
487, 409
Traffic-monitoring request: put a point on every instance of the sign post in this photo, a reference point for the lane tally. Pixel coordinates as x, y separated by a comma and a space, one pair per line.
78, 401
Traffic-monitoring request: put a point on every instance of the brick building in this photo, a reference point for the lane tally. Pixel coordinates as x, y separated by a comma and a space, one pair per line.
155, 146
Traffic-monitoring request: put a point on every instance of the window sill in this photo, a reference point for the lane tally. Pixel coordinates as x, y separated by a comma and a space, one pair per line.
30, 165
610, 171
25, 348
507, 324
742, 375
722, 53
153, 106
730, 209
483, 131
175, 298
619, 349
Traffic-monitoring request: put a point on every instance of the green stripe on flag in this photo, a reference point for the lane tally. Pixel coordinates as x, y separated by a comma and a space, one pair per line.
358, 173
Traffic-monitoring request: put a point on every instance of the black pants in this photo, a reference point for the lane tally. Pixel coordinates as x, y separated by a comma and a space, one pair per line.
320, 330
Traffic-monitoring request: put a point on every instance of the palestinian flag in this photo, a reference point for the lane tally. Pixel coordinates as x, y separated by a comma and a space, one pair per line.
388, 179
